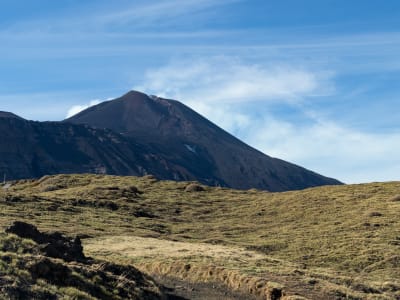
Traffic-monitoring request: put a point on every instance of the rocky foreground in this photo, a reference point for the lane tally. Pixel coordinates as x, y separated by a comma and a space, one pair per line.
37, 265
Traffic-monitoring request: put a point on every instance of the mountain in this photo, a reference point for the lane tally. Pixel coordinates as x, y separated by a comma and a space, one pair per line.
196, 148
31, 149
8, 115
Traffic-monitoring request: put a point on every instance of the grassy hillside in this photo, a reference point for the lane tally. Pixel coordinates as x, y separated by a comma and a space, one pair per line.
332, 242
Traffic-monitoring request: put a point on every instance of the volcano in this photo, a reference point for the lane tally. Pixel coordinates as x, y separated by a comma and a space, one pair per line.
190, 147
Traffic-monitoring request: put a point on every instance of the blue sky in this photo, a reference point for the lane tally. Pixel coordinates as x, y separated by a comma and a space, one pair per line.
312, 82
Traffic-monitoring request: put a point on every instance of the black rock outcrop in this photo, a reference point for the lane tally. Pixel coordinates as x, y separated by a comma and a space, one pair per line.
53, 245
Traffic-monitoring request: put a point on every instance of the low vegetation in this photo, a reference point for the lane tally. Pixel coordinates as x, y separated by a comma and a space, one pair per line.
332, 242
51, 266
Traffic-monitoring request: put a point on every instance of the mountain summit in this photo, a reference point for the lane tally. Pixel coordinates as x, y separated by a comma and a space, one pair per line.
190, 147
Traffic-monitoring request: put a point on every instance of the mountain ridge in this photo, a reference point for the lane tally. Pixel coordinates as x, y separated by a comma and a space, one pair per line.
9, 115
171, 127
32, 149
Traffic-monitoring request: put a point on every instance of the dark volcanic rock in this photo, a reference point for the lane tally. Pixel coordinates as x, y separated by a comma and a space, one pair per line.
33, 149
25, 230
52, 244
8, 115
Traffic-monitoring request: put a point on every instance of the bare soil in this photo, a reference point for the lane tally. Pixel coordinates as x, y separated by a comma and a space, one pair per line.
182, 290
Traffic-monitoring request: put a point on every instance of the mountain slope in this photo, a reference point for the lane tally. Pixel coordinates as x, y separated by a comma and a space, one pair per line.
33, 149
204, 151
8, 115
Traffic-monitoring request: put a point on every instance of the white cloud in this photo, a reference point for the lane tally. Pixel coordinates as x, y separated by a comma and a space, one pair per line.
225, 79
78, 108
329, 148
219, 88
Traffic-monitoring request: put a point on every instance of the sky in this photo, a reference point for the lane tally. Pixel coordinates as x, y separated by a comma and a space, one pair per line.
314, 82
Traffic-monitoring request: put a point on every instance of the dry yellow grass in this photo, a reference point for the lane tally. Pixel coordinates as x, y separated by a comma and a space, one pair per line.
340, 240
135, 247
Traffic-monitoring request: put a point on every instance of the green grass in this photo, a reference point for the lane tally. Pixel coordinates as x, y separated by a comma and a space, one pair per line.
345, 236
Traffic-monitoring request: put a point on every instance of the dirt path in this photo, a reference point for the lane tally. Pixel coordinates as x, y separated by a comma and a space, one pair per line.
180, 290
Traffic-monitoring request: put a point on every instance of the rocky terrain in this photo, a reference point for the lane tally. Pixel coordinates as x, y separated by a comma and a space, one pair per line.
37, 265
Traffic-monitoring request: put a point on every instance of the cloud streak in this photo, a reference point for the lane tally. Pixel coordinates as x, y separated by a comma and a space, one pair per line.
159, 11
132, 15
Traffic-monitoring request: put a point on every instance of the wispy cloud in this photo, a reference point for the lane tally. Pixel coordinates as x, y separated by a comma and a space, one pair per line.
325, 146
220, 87
165, 11
123, 16
78, 108
226, 80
